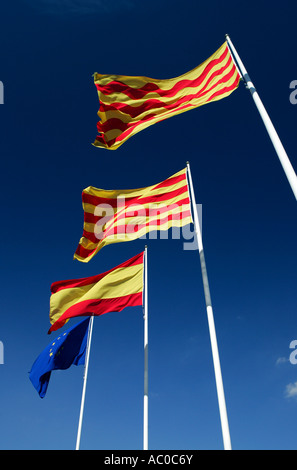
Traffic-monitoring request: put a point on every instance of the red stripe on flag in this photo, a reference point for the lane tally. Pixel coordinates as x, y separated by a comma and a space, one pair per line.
70, 283
97, 307
95, 200
138, 208
84, 252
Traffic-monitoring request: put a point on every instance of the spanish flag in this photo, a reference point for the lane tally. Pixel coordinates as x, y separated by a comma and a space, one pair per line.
110, 291
112, 216
130, 104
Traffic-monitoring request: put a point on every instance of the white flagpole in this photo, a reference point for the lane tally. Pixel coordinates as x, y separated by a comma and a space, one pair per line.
90, 330
145, 396
281, 153
211, 324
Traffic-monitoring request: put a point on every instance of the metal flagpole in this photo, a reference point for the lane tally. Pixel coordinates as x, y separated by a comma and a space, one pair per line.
85, 382
211, 324
282, 155
145, 396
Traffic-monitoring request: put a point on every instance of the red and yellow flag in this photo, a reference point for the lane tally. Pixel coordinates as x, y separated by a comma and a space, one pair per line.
112, 216
130, 104
110, 291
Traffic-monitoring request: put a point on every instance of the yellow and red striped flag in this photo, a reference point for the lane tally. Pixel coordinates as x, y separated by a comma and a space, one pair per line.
112, 216
111, 291
130, 104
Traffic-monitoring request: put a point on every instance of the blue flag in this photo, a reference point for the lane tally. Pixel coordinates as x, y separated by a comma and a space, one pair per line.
67, 349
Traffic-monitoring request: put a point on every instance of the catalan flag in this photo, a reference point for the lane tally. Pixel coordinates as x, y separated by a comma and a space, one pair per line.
112, 216
130, 104
111, 291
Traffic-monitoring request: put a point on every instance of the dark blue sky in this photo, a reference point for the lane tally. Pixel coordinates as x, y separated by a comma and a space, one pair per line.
48, 54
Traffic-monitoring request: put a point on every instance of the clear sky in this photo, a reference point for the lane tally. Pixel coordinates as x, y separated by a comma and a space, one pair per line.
49, 51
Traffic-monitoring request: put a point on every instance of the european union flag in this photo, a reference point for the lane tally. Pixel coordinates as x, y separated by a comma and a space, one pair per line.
67, 349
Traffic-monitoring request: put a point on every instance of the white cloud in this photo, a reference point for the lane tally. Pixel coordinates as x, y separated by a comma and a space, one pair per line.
281, 360
291, 390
